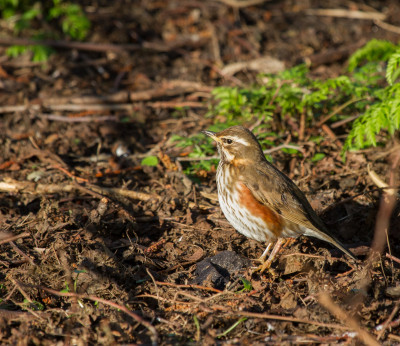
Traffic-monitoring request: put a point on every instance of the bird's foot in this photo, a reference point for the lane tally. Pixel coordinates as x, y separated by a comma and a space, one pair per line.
265, 267
266, 264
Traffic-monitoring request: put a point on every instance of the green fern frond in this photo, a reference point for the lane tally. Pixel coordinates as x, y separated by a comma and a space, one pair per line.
374, 50
381, 116
393, 68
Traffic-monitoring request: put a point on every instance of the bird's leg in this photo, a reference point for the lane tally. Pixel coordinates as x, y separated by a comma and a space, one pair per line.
265, 253
289, 241
275, 250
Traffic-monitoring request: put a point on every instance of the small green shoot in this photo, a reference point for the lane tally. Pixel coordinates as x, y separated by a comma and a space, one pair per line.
232, 327
317, 157
197, 324
66, 289
247, 286
77, 276
151, 161
33, 305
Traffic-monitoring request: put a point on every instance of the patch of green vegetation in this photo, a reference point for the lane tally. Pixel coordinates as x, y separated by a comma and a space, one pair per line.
247, 286
150, 161
35, 20
369, 90
33, 305
383, 115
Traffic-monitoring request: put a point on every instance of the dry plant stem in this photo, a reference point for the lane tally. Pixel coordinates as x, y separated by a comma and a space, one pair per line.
387, 26
94, 190
96, 47
32, 188
242, 3
19, 251
120, 101
188, 286
394, 337
390, 318
19, 288
224, 309
15, 237
88, 119
344, 13
136, 317
337, 110
332, 55
393, 258
14, 315
341, 315
387, 204
289, 319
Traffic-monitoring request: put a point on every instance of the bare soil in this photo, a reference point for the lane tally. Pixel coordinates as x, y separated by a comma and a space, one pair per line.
93, 227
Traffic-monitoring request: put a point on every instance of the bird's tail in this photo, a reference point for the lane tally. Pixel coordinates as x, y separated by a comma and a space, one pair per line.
328, 238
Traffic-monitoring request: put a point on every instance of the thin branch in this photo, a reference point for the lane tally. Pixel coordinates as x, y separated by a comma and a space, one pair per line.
343, 316
242, 3
136, 317
387, 26
104, 47
289, 319
393, 258
344, 13
188, 286
337, 110
382, 327
14, 237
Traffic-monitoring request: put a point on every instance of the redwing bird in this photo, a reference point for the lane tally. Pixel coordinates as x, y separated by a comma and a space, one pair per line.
259, 200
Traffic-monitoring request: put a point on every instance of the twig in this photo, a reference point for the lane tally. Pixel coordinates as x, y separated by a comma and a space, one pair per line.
329, 56
122, 100
337, 110
154, 282
289, 319
387, 204
13, 315
242, 3
88, 119
392, 258
69, 174
383, 327
14, 237
19, 251
387, 26
176, 104
394, 337
188, 286
136, 317
98, 47
30, 187
344, 13
344, 121
88, 46
19, 288
343, 316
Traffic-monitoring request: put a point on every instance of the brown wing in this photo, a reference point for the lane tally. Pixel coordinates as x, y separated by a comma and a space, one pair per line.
282, 195
275, 190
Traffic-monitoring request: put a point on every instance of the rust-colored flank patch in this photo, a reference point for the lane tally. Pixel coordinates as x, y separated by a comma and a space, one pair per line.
272, 219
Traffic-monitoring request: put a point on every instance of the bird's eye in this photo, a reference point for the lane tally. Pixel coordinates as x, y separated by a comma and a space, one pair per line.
228, 141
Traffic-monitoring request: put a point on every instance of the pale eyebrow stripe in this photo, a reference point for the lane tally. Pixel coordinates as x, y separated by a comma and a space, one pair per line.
238, 140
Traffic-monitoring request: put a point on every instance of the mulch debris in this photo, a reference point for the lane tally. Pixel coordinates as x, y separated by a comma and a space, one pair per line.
97, 248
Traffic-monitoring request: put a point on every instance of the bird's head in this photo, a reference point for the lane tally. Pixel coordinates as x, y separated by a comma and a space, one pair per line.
236, 144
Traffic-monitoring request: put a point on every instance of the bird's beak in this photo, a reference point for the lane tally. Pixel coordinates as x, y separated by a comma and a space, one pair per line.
212, 135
